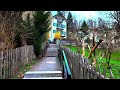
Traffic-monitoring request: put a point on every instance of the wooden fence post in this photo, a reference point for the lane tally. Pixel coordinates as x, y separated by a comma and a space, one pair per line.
13, 62
5, 61
1, 65
10, 63
99, 71
8, 58
27, 54
104, 73
79, 60
111, 74
73, 65
94, 67
13, 59
7, 66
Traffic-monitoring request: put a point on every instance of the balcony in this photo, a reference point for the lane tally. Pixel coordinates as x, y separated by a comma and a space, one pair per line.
59, 21
59, 28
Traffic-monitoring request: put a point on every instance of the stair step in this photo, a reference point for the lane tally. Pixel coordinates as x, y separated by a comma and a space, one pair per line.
45, 78
55, 54
52, 52
39, 74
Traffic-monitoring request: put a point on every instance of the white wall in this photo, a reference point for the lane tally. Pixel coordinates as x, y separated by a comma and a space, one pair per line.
51, 34
65, 29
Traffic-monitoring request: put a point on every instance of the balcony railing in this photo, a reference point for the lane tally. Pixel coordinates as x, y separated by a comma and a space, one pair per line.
59, 21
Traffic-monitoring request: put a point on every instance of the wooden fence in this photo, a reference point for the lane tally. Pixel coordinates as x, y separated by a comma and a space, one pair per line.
81, 69
11, 60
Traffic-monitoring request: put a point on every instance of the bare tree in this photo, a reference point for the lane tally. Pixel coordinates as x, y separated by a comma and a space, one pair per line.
90, 23
8, 28
115, 15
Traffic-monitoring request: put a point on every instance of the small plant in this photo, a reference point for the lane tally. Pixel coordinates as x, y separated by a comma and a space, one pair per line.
23, 69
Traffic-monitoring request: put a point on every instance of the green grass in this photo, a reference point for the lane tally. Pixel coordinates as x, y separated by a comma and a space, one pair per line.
25, 68
114, 61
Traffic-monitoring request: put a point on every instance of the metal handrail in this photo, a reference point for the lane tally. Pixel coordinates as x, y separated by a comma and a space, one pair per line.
66, 66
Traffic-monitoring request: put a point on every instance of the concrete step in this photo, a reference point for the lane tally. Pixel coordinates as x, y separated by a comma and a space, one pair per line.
51, 54
45, 78
41, 74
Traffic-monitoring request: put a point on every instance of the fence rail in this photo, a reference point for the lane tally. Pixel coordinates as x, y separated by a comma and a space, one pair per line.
81, 69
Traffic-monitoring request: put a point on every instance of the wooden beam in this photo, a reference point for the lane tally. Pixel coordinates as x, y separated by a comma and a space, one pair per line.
93, 49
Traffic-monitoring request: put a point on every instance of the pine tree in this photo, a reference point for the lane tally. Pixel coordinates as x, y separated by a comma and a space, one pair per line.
84, 27
26, 30
69, 23
42, 21
42, 26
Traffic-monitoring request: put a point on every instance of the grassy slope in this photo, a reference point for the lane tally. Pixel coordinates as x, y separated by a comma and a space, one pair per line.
114, 62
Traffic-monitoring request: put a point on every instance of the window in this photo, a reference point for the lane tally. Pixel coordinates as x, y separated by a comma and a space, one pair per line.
59, 25
63, 33
63, 26
54, 31
55, 24
59, 19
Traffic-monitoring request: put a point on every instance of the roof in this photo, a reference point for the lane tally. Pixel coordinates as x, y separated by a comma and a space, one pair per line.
60, 16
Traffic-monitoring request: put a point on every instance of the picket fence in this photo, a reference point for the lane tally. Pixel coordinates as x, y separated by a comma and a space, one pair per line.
13, 59
81, 69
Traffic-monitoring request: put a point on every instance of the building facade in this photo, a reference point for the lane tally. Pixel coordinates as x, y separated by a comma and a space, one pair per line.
58, 27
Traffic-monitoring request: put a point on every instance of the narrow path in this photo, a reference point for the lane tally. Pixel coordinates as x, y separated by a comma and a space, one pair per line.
48, 67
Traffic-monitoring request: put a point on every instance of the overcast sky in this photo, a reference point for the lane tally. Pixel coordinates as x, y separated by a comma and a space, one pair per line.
85, 15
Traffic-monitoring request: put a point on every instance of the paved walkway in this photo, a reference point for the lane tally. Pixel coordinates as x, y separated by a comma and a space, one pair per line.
48, 67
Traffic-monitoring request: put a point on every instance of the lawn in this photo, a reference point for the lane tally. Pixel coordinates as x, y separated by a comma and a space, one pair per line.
114, 61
